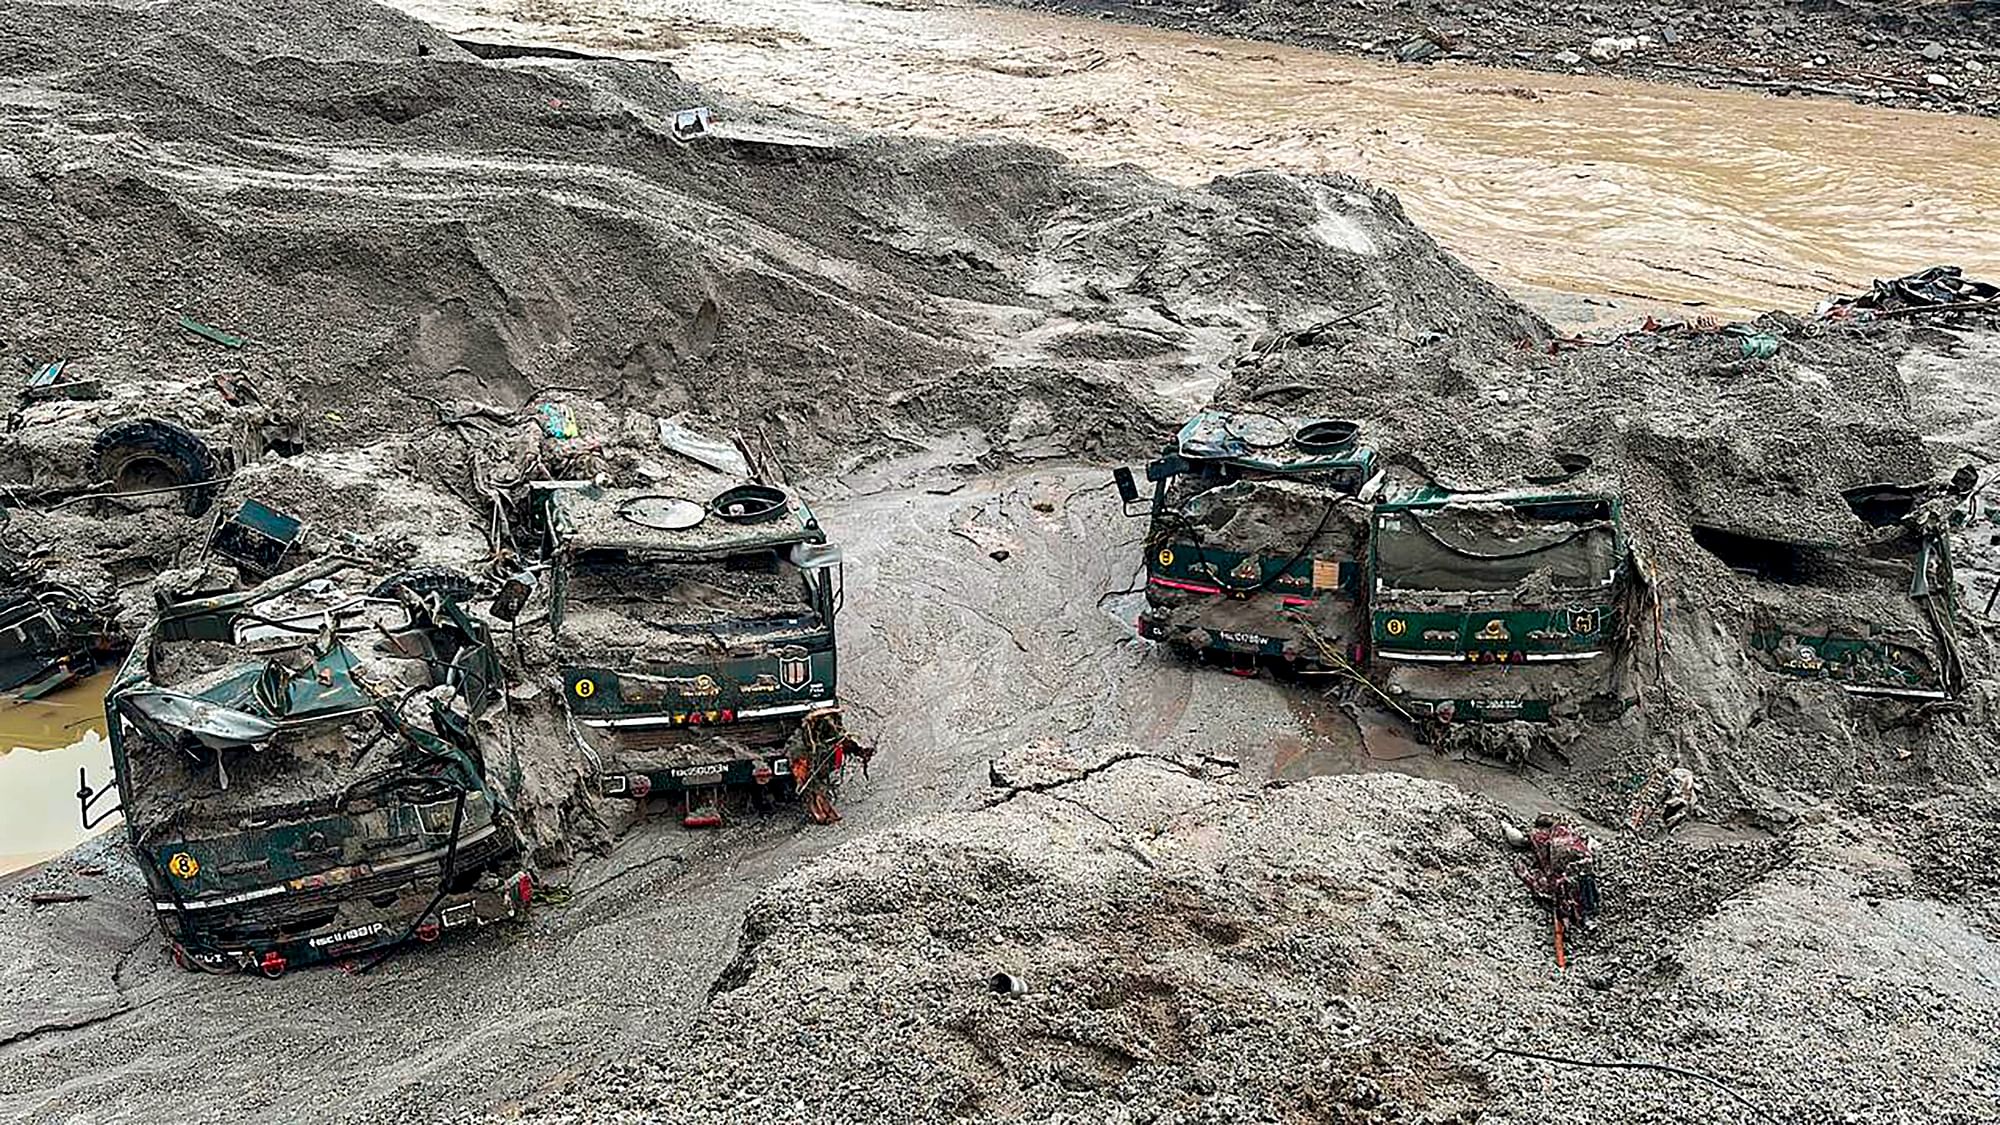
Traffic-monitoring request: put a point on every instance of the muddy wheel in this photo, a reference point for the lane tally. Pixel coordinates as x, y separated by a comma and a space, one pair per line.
453, 584
151, 454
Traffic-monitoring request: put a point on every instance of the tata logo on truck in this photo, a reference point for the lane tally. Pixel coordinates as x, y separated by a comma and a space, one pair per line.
794, 668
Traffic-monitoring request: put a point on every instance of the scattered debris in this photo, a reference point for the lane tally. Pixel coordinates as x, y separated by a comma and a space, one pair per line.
691, 123
722, 456
1559, 870
1679, 802
558, 420
211, 333
53, 381
257, 539
1937, 289
1611, 48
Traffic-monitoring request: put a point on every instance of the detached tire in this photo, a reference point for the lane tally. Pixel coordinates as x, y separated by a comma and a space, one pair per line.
454, 584
149, 454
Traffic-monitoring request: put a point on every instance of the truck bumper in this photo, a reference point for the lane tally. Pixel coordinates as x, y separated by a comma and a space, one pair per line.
212, 942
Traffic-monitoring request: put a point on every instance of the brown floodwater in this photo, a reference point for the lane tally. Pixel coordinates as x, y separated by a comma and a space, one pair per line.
1568, 191
42, 744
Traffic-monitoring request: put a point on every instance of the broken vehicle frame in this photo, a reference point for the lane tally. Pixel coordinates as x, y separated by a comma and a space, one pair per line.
351, 827
51, 635
736, 694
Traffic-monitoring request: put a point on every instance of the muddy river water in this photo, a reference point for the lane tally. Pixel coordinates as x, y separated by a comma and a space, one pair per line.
1569, 191
42, 744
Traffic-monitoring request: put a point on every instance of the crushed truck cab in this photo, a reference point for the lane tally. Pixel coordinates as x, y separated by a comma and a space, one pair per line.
1256, 539
299, 776
694, 626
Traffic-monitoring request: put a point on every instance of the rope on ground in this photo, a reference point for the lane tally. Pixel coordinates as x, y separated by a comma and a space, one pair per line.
1663, 1068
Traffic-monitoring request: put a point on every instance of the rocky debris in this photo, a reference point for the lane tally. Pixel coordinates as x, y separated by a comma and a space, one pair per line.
1146, 945
426, 249
1924, 55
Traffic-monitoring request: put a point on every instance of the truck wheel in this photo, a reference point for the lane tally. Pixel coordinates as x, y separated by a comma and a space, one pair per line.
149, 453
454, 584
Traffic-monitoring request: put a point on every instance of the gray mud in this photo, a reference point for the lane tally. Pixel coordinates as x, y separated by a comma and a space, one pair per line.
947, 345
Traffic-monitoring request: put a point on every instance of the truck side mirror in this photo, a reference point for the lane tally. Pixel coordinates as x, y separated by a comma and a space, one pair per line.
1128, 489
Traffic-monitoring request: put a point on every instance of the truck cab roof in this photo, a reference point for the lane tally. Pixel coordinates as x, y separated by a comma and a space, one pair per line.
1258, 442
698, 514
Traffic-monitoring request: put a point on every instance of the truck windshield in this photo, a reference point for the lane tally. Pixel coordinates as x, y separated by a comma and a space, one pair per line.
1490, 548
752, 590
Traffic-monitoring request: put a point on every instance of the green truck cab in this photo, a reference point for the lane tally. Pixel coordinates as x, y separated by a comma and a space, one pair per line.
1269, 546
695, 639
1494, 606
1256, 540
1868, 605
299, 776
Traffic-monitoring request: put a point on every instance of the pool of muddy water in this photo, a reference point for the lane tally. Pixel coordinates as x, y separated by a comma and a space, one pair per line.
43, 743
1594, 199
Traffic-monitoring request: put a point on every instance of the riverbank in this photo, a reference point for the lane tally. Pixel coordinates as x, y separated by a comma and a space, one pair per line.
1596, 200
1934, 56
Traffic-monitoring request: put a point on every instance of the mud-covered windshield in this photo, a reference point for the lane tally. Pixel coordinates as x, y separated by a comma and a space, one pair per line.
759, 588
1279, 518
1491, 548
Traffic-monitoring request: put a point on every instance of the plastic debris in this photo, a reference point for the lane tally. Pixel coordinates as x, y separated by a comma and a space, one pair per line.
691, 123
1760, 345
717, 454
206, 332
557, 419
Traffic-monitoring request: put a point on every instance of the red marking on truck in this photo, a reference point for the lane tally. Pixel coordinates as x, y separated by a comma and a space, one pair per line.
1176, 584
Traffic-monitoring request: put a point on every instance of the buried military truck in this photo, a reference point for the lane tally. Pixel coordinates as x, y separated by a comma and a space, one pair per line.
52, 634
694, 630
299, 775
1270, 544
1869, 604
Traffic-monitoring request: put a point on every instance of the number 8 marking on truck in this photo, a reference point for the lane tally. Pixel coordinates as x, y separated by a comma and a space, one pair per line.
584, 689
